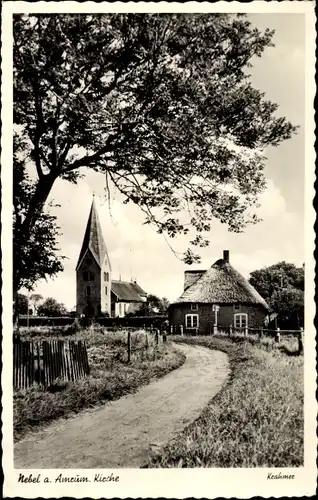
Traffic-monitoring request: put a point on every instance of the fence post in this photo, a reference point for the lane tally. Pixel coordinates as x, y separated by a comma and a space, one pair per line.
129, 346
171, 329
261, 333
301, 341
277, 335
246, 331
164, 337
215, 330
181, 330
157, 337
231, 330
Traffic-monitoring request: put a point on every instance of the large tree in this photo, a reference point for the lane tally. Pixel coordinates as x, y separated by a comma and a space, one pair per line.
36, 257
276, 277
282, 285
161, 104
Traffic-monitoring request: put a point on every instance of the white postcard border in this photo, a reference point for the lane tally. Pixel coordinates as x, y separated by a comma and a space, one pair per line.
152, 483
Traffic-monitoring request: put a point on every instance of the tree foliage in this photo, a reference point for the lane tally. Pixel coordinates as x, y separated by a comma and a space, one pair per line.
36, 298
161, 104
34, 257
157, 305
282, 285
51, 307
21, 304
153, 306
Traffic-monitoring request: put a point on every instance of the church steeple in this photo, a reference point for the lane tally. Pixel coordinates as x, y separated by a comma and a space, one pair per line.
93, 238
93, 271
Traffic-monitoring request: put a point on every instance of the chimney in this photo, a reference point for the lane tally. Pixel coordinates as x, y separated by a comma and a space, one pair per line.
226, 255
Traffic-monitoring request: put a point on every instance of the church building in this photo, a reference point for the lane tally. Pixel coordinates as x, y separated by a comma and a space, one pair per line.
96, 293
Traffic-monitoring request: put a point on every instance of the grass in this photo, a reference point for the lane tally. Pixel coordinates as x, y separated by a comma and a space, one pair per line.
256, 420
111, 376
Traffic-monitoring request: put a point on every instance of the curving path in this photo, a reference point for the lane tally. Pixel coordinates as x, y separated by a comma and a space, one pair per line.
123, 432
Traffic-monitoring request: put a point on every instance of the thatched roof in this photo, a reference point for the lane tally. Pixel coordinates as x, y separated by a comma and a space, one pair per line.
128, 292
93, 239
190, 276
222, 284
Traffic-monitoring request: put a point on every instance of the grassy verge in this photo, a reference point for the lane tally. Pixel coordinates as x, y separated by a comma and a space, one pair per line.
257, 418
110, 378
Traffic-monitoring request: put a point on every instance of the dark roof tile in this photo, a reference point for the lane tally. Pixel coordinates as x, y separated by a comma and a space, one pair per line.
126, 291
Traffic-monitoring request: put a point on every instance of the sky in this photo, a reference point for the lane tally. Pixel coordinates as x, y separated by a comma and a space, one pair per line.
137, 252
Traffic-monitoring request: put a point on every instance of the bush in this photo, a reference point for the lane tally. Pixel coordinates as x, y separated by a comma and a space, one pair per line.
73, 328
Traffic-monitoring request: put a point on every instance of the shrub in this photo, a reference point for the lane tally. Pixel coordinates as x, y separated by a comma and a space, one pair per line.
73, 328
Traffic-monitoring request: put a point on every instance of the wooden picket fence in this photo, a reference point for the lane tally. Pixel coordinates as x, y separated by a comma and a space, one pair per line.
46, 361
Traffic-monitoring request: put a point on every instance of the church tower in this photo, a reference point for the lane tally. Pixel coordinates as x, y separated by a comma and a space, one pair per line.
93, 270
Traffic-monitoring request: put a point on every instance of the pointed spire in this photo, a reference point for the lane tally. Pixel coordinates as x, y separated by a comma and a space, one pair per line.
93, 238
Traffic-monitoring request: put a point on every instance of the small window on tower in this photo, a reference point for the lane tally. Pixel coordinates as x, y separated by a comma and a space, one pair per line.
88, 291
107, 276
105, 279
106, 290
85, 276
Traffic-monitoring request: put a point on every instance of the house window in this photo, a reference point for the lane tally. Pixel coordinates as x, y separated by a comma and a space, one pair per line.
88, 291
240, 320
85, 276
194, 307
192, 320
91, 276
237, 307
119, 309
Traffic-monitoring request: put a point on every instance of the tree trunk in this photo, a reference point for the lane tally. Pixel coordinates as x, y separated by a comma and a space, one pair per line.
39, 198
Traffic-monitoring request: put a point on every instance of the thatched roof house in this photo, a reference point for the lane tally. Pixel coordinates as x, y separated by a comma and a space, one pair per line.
217, 296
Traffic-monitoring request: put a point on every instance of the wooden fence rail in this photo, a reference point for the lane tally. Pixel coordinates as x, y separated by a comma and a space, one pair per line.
246, 331
44, 362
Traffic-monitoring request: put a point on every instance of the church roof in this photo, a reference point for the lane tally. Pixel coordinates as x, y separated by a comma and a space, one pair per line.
222, 284
126, 291
93, 238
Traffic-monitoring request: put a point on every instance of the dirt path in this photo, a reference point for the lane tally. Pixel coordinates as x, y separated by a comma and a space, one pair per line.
123, 432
